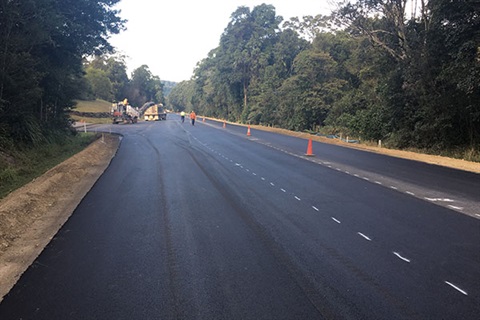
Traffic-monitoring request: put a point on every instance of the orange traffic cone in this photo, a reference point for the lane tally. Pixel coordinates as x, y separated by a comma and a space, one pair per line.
309, 148
248, 131
203, 119
224, 124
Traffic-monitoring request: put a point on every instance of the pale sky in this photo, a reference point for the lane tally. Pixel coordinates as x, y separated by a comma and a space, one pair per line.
171, 36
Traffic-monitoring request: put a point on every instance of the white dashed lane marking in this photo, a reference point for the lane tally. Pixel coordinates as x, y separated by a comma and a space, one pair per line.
398, 255
337, 221
456, 288
401, 257
364, 236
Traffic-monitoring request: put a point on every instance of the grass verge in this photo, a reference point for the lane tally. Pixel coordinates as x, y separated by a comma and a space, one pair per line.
22, 165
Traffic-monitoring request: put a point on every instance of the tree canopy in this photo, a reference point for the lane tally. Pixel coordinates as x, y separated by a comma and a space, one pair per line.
374, 69
43, 43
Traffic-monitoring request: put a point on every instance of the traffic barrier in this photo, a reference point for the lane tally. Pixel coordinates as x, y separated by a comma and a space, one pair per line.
309, 148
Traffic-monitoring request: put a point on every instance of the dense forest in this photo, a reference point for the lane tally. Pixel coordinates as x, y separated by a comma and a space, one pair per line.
374, 69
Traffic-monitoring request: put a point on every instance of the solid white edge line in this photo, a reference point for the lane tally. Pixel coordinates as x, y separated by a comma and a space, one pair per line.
455, 207
364, 236
456, 288
399, 256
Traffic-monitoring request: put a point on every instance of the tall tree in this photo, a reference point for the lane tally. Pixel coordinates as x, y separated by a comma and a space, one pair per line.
42, 44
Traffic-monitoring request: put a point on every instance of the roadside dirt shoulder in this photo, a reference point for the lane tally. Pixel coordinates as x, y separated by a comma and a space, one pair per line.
31, 216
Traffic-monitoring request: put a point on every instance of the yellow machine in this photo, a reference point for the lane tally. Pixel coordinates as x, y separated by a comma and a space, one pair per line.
155, 113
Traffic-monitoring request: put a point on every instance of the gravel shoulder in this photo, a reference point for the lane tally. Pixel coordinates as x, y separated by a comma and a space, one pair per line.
32, 215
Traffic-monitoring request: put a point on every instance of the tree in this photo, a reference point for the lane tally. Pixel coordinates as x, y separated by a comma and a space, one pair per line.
145, 87
100, 84
42, 44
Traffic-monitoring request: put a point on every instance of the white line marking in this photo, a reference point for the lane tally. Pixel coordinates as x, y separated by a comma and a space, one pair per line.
455, 207
247, 170
283, 190
297, 198
478, 215
356, 175
272, 184
403, 258
394, 188
365, 178
254, 173
364, 236
456, 288
315, 208
378, 182
439, 199
262, 178
347, 172
338, 169
410, 193
337, 221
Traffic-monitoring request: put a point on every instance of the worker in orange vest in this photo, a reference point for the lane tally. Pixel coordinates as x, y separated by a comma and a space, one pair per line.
193, 116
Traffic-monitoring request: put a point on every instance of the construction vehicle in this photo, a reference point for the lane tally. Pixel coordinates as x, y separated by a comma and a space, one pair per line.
123, 112
155, 112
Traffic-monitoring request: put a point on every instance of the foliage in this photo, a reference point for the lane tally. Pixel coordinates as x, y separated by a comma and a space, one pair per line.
23, 163
371, 70
43, 42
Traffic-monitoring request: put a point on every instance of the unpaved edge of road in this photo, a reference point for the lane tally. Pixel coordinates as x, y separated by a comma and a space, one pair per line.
32, 215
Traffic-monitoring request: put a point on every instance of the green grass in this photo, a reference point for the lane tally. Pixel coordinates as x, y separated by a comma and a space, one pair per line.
22, 165
93, 106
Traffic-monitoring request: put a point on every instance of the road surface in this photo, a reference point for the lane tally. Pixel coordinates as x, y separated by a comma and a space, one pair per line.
205, 222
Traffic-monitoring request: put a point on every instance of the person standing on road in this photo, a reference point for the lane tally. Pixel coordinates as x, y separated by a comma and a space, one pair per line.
193, 116
182, 116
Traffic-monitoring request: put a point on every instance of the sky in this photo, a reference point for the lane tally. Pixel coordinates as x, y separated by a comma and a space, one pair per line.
171, 36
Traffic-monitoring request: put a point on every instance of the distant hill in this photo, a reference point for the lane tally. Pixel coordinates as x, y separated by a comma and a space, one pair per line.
167, 87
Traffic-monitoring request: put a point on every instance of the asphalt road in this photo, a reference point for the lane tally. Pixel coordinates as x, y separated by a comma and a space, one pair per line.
205, 222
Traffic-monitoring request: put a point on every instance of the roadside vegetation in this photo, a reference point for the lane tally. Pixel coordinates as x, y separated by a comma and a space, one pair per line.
373, 70
21, 164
